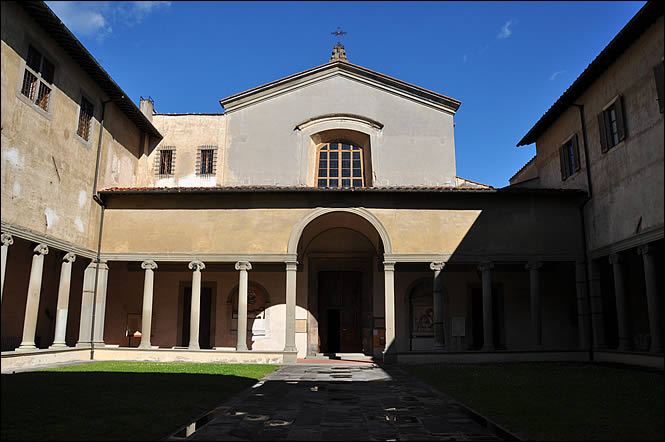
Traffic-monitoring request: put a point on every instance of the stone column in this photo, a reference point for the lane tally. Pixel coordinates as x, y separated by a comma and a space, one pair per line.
653, 299
146, 318
32, 304
582, 305
7, 241
63, 301
437, 303
389, 290
243, 266
596, 301
100, 304
488, 327
195, 314
620, 296
534, 290
290, 328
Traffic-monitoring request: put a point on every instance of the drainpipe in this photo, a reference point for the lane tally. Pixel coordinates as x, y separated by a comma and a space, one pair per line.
98, 200
580, 108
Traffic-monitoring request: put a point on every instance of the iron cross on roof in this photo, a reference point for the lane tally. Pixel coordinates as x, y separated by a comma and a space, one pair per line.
338, 33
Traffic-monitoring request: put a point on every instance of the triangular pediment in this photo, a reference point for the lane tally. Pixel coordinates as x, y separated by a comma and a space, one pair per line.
344, 69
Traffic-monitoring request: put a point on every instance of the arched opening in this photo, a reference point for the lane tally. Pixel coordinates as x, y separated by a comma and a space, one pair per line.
341, 252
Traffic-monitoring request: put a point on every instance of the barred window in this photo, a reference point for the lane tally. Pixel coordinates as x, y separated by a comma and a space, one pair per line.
166, 162
85, 119
37, 79
206, 160
340, 164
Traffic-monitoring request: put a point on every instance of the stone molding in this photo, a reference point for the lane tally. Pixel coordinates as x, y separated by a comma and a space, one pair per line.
41, 249
243, 265
69, 257
149, 265
645, 249
468, 258
642, 238
7, 239
291, 266
389, 266
533, 265
196, 265
614, 258
359, 119
204, 257
56, 243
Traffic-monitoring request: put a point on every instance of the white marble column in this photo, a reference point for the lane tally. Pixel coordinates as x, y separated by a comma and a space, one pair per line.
146, 319
7, 241
32, 303
389, 290
596, 304
243, 267
290, 327
437, 303
488, 326
63, 301
582, 305
653, 299
195, 312
620, 296
534, 290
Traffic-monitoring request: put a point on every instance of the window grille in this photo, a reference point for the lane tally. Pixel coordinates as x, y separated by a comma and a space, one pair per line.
37, 79
85, 119
165, 161
340, 164
206, 160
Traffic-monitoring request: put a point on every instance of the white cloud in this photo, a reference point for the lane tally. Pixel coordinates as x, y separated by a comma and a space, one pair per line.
505, 30
97, 18
556, 74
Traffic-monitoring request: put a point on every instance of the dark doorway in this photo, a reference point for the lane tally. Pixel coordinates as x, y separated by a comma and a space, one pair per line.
340, 311
205, 335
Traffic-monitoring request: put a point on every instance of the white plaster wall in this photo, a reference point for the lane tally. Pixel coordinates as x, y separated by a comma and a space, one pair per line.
416, 146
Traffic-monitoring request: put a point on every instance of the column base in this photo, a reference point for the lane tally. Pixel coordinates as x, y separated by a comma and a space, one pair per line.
58, 346
99, 344
389, 358
624, 345
82, 345
439, 348
538, 347
487, 348
27, 347
290, 348
241, 348
194, 347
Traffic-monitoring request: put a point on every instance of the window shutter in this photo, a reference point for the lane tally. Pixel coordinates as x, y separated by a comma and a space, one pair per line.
621, 123
658, 73
576, 154
562, 160
602, 130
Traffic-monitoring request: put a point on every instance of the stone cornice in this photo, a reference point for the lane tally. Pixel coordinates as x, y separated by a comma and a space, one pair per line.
476, 258
50, 241
204, 257
650, 235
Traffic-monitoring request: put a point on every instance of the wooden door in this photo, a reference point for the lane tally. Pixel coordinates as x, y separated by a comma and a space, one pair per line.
340, 311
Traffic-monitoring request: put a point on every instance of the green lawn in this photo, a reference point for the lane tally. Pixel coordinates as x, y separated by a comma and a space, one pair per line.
117, 400
557, 401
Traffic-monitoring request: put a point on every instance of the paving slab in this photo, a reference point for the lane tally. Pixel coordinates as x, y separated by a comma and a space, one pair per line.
339, 402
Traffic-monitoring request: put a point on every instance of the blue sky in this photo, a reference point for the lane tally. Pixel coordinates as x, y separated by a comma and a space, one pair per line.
507, 62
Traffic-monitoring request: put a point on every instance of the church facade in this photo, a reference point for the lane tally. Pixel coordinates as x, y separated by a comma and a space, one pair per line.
318, 214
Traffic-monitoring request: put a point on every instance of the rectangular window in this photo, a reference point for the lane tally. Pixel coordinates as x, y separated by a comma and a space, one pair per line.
85, 119
569, 156
612, 125
206, 160
166, 162
38, 79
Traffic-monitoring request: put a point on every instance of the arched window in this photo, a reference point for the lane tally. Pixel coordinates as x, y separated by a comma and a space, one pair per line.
340, 164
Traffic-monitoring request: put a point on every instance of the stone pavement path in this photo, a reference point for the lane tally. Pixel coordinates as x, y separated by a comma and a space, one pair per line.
338, 402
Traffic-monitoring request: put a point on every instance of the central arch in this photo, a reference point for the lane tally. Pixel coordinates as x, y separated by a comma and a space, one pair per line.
341, 253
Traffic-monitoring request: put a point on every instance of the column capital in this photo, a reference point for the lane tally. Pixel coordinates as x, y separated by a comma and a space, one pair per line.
614, 258
437, 266
533, 264
196, 265
485, 266
149, 265
291, 265
7, 239
69, 257
41, 249
389, 266
243, 265
645, 249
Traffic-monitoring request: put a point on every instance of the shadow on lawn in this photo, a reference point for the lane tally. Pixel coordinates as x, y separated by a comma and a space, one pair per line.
107, 405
